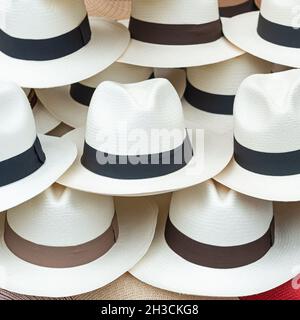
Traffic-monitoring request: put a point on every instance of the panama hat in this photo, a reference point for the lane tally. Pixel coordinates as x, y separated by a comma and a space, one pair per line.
267, 138
209, 96
290, 290
171, 34
80, 241
29, 164
135, 143
47, 45
271, 34
214, 241
231, 8
115, 9
44, 120
70, 103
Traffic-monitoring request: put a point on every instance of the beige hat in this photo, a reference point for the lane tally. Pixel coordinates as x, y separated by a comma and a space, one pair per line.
267, 138
271, 34
80, 241
216, 242
29, 163
114, 9
209, 97
136, 143
175, 33
51, 49
70, 103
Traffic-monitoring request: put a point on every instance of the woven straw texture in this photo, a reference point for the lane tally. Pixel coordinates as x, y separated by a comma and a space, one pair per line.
113, 9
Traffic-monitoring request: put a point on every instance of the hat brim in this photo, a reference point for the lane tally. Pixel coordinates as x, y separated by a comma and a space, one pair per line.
171, 56
60, 154
44, 120
163, 268
217, 153
137, 221
109, 40
195, 118
285, 188
61, 105
242, 31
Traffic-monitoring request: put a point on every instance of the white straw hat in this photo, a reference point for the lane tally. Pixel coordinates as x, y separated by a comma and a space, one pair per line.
70, 103
44, 120
216, 242
173, 33
45, 43
272, 34
135, 143
209, 96
29, 164
66, 242
267, 138
231, 8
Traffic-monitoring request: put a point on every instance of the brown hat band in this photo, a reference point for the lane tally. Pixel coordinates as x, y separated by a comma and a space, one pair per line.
32, 98
218, 257
175, 34
61, 257
233, 10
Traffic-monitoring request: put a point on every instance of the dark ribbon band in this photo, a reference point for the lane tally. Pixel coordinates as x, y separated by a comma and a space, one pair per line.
270, 164
231, 11
218, 257
32, 98
137, 167
83, 94
46, 49
61, 257
278, 34
175, 34
22, 165
209, 102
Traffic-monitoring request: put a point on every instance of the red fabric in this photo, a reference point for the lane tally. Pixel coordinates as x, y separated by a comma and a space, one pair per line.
288, 291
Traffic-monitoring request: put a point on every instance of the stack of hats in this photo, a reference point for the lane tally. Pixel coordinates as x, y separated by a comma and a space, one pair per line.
166, 146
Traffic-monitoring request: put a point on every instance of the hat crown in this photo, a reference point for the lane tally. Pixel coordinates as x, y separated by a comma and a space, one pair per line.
266, 116
226, 77
17, 129
119, 72
62, 217
176, 12
281, 12
135, 119
30, 19
213, 214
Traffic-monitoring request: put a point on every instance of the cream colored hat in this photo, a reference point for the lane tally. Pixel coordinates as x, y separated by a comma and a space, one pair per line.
231, 8
115, 9
271, 34
44, 120
48, 44
173, 33
66, 242
209, 96
135, 143
267, 138
216, 242
29, 163
70, 103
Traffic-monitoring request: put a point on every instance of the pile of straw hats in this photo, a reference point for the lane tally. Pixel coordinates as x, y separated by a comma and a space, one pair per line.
155, 149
